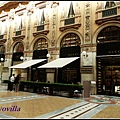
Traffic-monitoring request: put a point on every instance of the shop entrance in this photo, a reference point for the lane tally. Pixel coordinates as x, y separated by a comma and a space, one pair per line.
108, 76
68, 75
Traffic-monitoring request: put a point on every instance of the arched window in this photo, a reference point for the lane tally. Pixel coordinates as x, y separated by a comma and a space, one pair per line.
41, 44
18, 47
70, 39
109, 34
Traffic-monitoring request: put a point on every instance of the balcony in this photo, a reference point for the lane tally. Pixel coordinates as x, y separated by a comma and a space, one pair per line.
105, 15
68, 23
19, 35
41, 29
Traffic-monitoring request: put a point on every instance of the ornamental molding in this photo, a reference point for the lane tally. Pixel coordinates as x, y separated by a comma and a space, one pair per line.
19, 37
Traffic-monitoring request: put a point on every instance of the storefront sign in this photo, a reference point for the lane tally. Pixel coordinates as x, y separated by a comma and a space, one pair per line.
70, 51
108, 48
40, 54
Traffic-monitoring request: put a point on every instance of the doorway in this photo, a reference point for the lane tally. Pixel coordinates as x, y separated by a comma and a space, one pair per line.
67, 76
108, 75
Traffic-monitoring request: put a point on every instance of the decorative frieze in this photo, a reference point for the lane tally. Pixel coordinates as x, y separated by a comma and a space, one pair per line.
30, 10
87, 30
87, 70
19, 37
54, 22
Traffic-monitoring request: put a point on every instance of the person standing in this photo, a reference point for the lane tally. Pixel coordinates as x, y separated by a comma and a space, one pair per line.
74, 81
17, 82
12, 79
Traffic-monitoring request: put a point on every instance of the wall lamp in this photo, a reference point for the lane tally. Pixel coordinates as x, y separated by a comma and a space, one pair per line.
48, 55
2, 59
22, 58
84, 53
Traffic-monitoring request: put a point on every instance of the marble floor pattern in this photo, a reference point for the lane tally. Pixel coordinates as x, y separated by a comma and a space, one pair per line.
33, 105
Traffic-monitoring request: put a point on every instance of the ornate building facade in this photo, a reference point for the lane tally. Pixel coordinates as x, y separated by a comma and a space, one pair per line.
85, 32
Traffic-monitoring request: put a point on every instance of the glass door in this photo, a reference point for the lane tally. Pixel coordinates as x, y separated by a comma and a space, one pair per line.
108, 76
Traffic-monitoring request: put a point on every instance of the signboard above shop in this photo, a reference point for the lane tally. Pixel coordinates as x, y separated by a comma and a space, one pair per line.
112, 48
73, 51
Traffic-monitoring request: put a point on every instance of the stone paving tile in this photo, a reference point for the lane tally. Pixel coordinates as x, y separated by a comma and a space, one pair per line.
9, 94
40, 106
37, 107
109, 112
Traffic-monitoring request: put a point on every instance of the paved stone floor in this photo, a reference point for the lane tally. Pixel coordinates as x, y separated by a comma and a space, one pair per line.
33, 105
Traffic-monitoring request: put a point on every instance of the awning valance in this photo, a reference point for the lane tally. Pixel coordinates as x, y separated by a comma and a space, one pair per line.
59, 63
27, 63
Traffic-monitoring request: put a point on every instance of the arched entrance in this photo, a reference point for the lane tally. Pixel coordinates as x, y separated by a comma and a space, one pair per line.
70, 47
40, 50
108, 57
18, 54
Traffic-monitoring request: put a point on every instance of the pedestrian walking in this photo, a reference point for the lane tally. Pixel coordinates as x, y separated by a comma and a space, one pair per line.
12, 79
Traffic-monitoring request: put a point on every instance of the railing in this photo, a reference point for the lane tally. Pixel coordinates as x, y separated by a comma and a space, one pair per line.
40, 27
109, 12
69, 21
18, 33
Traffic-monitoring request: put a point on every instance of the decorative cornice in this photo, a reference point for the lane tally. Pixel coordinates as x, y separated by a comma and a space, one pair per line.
19, 37
10, 5
45, 32
110, 18
75, 26
87, 70
3, 40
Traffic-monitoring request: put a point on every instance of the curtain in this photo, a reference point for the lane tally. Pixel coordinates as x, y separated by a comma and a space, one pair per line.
104, 3
67, 8
39, 15
42, 18
18, 22
70, 7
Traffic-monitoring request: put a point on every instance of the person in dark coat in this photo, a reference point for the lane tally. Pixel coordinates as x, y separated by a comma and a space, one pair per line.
74, 81
17, 82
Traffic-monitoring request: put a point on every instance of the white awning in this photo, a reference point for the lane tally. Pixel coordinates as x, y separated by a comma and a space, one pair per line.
27, 63
59, 63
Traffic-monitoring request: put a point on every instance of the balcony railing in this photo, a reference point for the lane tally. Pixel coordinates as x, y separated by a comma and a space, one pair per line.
73, 22
69, 21
109, 12
105, 15
18, 33
40, 27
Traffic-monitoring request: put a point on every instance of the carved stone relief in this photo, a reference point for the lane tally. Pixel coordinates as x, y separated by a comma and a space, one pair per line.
77, 9
99, 5
87, 23
63, 13
54, 21
118, 2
